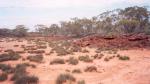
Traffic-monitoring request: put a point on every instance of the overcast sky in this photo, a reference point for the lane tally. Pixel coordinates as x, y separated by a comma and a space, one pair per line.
32, 12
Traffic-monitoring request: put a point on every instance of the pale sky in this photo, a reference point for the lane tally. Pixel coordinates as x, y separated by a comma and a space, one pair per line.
32, 12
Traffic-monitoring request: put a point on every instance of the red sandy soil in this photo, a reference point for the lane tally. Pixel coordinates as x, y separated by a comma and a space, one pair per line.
126, 41
133, 71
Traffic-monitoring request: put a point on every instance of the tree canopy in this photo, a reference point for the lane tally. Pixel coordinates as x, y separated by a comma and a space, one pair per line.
131, 20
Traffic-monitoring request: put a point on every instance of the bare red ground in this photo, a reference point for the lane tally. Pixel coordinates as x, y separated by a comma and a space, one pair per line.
126, 41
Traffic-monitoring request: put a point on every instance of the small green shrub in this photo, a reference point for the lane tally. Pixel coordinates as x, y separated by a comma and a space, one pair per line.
73, 61
91, 69
57, 61
3, 76
124, 58
85, 58
62, 78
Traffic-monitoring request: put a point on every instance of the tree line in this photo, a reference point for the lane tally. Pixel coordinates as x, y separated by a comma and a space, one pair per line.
131, 20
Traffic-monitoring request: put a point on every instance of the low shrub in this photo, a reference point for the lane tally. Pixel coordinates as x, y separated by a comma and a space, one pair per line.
85, 51
9, 56
3, 76
20, 52
76, 49
85, 58
63, 78
73, 61
106, 59
81, 82
36, 58
8, 50
41, 47
91, 69
20, 71
98, 50
57, 61
124, 58
16, 45
60, 51
30, 65
98, 56
27, 80
76, 71
36, 51
6, 68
